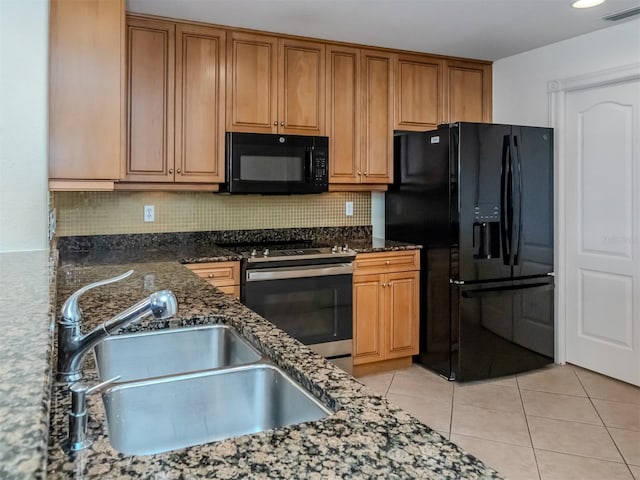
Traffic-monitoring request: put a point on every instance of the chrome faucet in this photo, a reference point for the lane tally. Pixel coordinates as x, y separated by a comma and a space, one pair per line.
73, 346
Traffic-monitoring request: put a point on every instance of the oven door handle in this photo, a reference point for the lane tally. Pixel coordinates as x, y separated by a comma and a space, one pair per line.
298, 272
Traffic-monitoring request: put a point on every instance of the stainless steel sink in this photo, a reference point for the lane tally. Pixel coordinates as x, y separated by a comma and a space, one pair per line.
153, 416
138, 356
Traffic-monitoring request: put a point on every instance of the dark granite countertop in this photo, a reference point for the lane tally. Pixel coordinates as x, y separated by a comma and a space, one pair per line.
27, 283
366, 437
201, 248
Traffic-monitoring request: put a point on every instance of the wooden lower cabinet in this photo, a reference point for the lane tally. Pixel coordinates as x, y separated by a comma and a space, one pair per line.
385, 310
225, 276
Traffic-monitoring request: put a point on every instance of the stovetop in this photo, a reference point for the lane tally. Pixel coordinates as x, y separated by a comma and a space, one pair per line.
290, 251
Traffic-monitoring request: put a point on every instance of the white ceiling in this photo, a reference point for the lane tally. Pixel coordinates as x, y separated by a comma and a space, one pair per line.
483, 29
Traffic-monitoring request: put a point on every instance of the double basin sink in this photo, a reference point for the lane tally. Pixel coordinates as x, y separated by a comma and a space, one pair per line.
190, 386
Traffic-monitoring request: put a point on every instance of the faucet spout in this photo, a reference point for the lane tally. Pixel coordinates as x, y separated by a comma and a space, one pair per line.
73, 346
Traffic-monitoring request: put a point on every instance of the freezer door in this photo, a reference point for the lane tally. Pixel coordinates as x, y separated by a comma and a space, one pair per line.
502, 329
532, 152
484, 214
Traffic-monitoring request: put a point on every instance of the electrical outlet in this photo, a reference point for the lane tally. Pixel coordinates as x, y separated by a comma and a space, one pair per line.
149, 213
348, 209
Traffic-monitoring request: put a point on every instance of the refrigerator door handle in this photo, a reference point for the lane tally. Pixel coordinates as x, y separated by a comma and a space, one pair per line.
518, 184
506, 229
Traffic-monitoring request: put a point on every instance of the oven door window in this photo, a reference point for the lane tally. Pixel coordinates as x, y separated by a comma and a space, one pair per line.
312, 310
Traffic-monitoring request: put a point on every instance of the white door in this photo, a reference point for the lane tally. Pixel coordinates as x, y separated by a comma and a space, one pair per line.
602, 184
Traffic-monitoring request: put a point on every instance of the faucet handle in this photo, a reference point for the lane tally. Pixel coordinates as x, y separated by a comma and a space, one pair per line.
80, 391
71, 313
78, 416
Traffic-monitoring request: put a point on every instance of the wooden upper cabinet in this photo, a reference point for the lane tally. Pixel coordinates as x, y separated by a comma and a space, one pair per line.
377, 117
275, 85
199, 110
419, 92
468, 92
301, 77
86, 76
252, 83
175, 102
150, 100
343, 113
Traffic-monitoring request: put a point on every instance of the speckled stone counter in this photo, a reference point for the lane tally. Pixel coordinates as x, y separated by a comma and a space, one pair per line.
366, 437
199, 247
372, 244
26, 320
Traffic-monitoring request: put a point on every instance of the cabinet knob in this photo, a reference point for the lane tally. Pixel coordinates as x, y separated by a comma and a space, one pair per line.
275, 124
387, 262
178, 171
282, 124
171, 171
359, 173
211, 275
366, 174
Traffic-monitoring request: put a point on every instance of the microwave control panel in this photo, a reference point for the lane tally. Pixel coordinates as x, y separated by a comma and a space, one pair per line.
320, 168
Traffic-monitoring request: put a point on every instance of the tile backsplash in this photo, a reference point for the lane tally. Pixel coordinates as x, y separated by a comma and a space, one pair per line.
104, 213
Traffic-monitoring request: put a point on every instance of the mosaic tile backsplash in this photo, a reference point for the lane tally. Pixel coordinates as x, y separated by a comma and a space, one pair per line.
103, 213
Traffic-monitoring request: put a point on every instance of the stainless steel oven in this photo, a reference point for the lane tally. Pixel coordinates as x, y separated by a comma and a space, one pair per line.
307, 293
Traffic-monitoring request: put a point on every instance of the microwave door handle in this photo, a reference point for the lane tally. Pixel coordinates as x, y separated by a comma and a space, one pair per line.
309, 169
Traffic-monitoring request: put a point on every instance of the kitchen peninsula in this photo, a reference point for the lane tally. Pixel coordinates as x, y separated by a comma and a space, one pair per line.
366, 437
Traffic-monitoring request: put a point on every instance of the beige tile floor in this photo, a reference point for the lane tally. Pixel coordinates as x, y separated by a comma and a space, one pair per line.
559, 423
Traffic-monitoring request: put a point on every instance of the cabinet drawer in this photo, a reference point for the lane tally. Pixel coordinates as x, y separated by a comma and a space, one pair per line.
219, 274
384, 262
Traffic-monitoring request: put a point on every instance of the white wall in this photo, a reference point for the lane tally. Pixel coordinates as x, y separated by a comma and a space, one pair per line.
24, 32
520, 82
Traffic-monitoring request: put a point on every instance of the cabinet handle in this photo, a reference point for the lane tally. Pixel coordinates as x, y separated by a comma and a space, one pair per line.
178, 171
275, 124
171, 171
282, 124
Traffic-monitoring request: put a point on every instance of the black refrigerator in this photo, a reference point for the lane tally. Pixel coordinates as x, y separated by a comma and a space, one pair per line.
479, 198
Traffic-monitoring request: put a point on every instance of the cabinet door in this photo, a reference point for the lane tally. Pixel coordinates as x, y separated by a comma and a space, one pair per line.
377, 117
301, 92
343, 114
85, 89
468, 92
403, 307
150, 100
368, 317
200, 100
252, 83
418, 99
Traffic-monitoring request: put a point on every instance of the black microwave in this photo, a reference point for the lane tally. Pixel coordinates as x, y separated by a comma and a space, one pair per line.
276, 164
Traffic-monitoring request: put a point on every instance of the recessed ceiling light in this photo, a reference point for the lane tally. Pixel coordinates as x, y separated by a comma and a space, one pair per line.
587, 3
